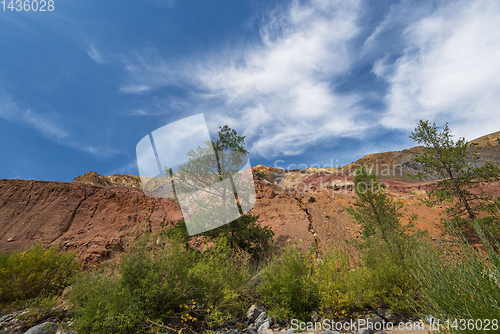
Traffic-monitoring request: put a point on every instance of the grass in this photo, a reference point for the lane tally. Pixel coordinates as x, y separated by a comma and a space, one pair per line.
459, 281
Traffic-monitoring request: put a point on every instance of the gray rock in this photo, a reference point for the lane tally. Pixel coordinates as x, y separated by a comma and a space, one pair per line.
262, 318
386, 313
365, 331
264, 326
253, 312
374, 321
289, 331
330, 332
45, 328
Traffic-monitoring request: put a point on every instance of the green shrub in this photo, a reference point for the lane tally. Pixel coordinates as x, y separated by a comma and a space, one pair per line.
341, 290
158, 283
220, 281
287, 287
460, 282
100, 303
380, 280
247, 235
37, 272
242, 235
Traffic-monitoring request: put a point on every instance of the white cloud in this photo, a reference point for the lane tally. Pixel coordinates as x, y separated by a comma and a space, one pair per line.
450, 70
46, 125
10, 111
94, 53
128, 168
279, 92
147, 71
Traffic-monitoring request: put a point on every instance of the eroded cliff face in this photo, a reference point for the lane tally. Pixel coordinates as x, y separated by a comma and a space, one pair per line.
100, 221
90, 218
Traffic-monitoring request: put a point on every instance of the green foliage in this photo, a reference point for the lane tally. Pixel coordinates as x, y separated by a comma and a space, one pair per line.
461, 181
247, 235
229, 140
378, 281
178, 233
385, 243
341, 290
158, 281
295, 284
458, 281
37, 272
243, 235
287, 287
388, 266
260, 175
375, 212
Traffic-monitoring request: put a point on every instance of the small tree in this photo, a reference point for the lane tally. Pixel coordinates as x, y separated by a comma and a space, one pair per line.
202, 170
375, 212
386, 245
460, 181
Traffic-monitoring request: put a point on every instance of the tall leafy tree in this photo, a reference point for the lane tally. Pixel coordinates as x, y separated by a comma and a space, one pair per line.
460, 181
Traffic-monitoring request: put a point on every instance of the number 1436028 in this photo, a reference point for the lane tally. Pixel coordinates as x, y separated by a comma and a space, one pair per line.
28, 5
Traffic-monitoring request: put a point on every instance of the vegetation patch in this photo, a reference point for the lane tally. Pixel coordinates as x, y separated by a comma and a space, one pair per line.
34, 273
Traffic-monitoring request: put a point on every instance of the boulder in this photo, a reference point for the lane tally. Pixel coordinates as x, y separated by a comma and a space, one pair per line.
45, 328
261, 319
253, 312
263, 327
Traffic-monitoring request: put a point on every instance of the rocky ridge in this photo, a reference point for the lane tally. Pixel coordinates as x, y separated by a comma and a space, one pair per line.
116, 180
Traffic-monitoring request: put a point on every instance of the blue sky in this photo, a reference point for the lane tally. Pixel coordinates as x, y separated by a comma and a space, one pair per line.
307, 82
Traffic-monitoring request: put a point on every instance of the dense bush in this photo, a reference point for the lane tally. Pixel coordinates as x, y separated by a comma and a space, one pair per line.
377, 281
287, 285
295, 284
247, 235
341, 290
161, 282
243, 235
37, 272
